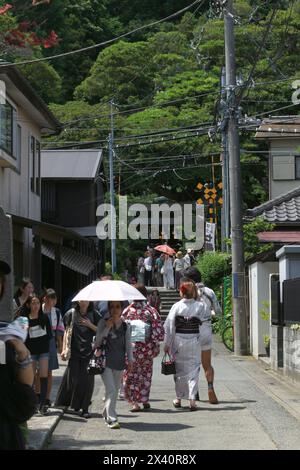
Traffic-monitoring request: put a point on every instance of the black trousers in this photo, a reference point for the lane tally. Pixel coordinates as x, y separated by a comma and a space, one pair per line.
148, 278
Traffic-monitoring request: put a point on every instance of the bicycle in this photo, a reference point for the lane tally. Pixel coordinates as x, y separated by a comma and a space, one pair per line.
228, 336
226, 330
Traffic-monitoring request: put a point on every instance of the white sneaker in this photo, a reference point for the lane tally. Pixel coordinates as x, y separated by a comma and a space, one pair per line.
114, 425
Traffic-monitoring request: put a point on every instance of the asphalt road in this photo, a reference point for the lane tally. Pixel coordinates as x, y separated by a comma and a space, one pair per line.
256, 411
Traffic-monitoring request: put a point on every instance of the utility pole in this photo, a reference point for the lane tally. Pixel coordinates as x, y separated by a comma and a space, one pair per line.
225, 219
238, 264
111, 187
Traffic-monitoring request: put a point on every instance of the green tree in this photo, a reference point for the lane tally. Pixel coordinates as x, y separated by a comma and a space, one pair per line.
123, 72
45, 80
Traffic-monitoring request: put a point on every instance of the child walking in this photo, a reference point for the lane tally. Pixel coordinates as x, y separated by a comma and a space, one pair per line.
118, 347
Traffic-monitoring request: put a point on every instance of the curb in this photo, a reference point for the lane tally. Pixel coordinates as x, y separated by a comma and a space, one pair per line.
41, 428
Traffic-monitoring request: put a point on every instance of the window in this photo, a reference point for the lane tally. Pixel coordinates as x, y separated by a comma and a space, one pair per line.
35, 165
32, 163
19, 146
6, 128
283, 167
38, 167
297, 167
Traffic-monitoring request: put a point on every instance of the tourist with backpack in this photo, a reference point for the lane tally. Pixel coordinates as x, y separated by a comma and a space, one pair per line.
212, 305
116, 333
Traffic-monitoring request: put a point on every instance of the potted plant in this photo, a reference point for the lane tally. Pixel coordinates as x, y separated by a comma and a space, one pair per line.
266, 339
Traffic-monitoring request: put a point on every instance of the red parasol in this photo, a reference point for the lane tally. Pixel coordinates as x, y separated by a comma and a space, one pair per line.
165, 249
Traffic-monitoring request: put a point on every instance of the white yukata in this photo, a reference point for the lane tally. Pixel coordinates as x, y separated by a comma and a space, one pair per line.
185, 348
211, 304
168, 274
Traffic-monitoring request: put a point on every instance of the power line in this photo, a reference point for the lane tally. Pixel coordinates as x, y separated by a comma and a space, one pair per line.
188, 134
141, 108
257, 55
104, 43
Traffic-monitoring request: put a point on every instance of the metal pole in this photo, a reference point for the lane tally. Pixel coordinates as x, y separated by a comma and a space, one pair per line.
238, 265
112, 192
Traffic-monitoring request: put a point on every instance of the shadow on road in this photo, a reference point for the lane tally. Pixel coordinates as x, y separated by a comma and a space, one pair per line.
150, 427
64, 442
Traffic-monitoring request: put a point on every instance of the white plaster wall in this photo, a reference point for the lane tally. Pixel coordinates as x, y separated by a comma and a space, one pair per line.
258, 292
16, 196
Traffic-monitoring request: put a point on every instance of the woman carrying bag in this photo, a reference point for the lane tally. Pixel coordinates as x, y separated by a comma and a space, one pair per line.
77, 385
116, 334
182, 342
147, 332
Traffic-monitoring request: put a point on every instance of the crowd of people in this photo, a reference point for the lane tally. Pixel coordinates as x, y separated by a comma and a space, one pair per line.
132, 333
163, 270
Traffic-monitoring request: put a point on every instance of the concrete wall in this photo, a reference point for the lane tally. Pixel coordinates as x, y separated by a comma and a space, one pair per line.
258, 292
291, 358
276, 347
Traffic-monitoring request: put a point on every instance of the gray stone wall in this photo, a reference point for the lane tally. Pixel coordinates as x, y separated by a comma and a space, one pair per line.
276, 346
291, 343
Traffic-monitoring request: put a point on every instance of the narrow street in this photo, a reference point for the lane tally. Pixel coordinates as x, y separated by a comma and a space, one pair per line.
257, 411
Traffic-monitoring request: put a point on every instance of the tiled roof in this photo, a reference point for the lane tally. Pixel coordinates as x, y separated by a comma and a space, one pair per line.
283, 127
282, 209
279, 237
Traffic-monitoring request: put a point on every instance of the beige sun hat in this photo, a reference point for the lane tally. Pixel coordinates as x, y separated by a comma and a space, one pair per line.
179, 254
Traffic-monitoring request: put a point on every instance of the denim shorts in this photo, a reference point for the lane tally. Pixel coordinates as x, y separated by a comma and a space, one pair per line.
37, 357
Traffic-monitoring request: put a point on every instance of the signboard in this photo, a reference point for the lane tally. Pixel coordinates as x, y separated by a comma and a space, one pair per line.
210, 231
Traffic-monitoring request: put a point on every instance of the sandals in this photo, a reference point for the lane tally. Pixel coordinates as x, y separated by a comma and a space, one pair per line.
146, 406
177, 403
135, 408
193, 408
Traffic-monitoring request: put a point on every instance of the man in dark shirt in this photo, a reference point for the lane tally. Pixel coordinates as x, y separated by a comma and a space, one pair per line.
17, 398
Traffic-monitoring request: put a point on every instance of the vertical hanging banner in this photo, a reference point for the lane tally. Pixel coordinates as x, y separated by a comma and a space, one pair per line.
210, 230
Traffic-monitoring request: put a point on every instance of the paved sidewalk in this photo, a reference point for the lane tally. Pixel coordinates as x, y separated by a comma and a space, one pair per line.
257, 410
42, 427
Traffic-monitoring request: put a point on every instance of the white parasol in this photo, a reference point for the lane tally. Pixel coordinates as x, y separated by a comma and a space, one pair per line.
108, 290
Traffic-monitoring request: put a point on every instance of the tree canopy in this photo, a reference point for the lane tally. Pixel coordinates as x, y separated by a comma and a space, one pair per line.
165, 84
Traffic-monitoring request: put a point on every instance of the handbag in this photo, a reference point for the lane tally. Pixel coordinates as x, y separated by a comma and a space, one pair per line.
97, 362
140, 331
162, 271
168, 365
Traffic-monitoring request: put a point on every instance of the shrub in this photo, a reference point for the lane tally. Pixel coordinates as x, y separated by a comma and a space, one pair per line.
213, 266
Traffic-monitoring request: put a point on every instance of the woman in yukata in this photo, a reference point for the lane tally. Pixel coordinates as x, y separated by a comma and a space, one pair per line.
182, 342
137, 381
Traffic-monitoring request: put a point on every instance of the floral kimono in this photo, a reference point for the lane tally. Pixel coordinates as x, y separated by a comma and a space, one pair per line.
137, 383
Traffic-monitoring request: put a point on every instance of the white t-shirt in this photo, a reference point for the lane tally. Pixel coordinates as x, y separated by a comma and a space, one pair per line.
148, 263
